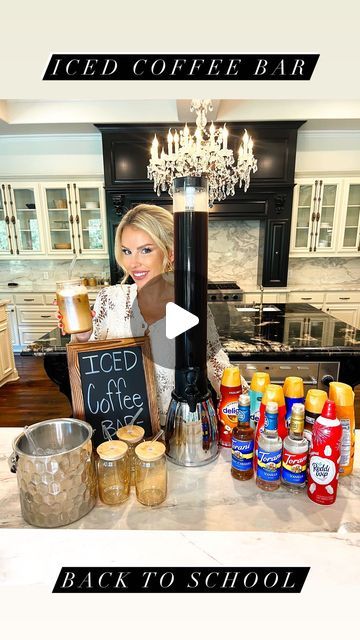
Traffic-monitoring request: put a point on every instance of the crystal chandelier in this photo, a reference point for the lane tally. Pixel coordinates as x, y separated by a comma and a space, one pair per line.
204, 153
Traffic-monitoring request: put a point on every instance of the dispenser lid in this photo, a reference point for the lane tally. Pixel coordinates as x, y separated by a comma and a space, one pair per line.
132, 433
293, 387
150, 451
112, 450
341, 393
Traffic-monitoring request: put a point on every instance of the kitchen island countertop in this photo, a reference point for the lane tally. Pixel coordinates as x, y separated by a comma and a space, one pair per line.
205, 499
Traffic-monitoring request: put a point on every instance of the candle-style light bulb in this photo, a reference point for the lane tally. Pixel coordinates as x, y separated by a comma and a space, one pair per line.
154, 148
225, 137
186, 133
170, 141
246, 141
176, 141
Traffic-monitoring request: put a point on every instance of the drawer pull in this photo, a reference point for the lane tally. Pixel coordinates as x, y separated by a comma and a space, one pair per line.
29, 299
49, 316
344, 298
309, 298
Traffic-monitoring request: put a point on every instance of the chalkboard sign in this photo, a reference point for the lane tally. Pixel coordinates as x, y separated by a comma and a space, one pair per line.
111, 382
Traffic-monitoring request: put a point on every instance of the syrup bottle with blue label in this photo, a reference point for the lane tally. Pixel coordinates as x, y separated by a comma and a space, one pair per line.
295, 451
269, 451
242, 450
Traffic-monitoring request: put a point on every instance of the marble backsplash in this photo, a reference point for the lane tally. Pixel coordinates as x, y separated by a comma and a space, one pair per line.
26, 272
324, 272
233, 255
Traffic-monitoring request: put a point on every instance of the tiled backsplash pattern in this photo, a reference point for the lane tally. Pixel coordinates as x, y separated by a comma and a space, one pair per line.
233, 255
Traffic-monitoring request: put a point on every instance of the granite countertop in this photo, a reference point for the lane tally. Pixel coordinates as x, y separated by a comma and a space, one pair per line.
205, 499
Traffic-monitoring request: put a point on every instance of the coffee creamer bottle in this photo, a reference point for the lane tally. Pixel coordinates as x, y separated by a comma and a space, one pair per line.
259, 382
272, 393
314, 404
324, 456
293, 388
343, 396
230, 390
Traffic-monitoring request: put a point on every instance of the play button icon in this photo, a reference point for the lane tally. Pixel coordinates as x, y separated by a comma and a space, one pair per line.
178, 320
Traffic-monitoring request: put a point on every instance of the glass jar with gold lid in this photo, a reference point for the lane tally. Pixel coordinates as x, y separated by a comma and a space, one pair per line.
150, 473
132, 435
113, 472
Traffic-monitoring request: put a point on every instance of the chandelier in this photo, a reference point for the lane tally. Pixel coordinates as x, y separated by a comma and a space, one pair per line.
204, 153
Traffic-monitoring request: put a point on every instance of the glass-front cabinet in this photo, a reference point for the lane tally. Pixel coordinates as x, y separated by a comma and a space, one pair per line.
315, 216
75, 218
21, 233
350, 227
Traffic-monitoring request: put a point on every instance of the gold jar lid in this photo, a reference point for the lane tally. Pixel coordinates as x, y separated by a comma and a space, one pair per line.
132, 433
112, 450
150, 451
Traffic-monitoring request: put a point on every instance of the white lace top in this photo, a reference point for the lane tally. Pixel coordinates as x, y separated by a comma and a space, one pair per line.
118, 316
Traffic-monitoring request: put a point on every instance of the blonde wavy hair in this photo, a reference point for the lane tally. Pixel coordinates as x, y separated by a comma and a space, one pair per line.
157, 223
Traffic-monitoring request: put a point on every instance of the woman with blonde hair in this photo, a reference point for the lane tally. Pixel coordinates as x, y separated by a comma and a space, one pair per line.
144, 250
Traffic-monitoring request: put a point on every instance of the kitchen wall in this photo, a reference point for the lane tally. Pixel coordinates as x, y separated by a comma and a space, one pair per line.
233, 246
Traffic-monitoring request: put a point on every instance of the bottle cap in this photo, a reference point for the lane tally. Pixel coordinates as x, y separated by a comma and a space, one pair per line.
341, 393
273, 393
259, 381
150, 451
271, 407
231, 377
293, 387
329, 410
132, 433
112, 450
315, 400
244, 400
298, 409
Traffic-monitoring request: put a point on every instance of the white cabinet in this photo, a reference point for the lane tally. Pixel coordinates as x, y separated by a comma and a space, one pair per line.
53, 220
349, 229
12, 324
315, 217
8, 372
344, 305
21, 231
315, 298
326, 217
75, 219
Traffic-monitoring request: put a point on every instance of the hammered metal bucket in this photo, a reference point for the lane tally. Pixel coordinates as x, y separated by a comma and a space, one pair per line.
55, 471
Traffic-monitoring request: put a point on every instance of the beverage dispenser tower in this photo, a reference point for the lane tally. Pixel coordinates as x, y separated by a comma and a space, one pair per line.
191, 425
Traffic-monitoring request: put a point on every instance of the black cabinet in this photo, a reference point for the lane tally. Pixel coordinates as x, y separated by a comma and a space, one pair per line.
126, 152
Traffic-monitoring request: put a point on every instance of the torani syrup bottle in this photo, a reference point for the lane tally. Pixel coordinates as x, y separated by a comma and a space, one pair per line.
314, 403
293, 388
269, 451
230, 391
242, 458
324, 456
259, 381
343, 396
272, 393
295, 451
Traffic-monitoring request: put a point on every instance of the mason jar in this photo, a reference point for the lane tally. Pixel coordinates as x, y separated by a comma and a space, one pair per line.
132, 435
73, 302
150, 473
113, 472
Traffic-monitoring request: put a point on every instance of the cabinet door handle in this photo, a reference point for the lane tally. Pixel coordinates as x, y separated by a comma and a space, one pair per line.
77, 217
29, 299
71, 217
49, 316
317, 217
13, 218
313, 216
344, 298
306, 298
7, 219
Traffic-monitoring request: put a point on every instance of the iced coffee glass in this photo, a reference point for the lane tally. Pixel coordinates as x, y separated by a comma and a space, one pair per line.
73, 302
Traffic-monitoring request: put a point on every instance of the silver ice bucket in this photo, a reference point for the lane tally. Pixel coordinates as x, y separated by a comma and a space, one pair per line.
56, 473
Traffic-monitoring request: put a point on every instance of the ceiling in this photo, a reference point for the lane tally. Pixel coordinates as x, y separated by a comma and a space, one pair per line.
26, 117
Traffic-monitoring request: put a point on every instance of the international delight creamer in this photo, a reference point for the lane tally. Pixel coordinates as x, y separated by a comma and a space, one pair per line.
324, 457
259, 382
230, 391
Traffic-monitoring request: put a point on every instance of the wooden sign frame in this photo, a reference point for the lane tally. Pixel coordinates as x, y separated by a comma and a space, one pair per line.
73, 350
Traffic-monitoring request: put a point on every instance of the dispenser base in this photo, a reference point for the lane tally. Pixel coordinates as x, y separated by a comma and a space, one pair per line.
191, 437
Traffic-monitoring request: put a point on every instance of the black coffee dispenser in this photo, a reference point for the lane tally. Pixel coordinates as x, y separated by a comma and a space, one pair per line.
191, 425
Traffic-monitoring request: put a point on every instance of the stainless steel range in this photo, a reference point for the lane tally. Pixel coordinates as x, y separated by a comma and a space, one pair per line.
224, 291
